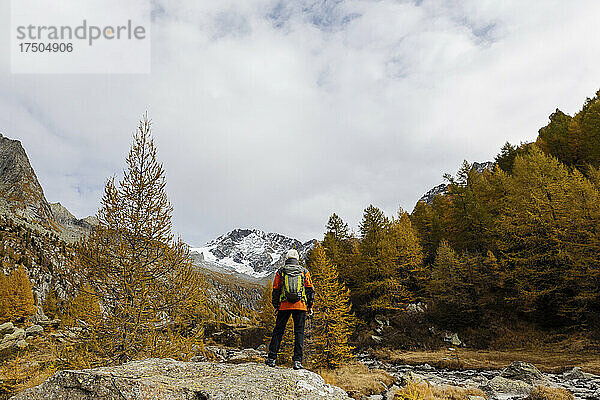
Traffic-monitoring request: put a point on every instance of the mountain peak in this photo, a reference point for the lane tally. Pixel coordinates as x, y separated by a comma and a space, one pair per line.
22, 193
250, 252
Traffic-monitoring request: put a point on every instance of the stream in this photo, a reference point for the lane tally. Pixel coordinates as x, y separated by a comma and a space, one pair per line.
583, 386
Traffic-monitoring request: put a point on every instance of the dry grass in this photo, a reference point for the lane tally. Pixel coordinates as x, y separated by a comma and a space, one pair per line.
357, 380
24, 371
547, 393
417, 390
548, 360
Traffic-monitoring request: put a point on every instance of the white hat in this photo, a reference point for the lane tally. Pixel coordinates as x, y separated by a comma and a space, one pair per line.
292, 253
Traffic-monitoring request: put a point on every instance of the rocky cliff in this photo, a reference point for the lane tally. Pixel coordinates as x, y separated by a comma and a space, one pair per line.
72, 227
22, 197
21, 194
169, 380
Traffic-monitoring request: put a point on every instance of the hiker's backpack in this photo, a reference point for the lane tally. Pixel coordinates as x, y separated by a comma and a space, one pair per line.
292, 289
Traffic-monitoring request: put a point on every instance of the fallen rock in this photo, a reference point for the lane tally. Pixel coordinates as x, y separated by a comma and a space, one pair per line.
7, 348
391, 393
167, 379
503, 385
246, 355
452, 338
39, 317
575, 373
21, 344
34, 330
7, 328
522, 371
376, 339
17, 335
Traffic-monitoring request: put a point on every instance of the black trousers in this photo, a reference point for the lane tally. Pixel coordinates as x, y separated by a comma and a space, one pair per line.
283, 316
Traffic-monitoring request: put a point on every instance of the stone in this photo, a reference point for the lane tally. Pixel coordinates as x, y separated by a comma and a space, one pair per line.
168, 379
522, 371
7, 348
39, 316
246, 354
375, 397
7, 328
391, 393
575, 373
34, 330
376, 339
503, 385
415, 308
17, 335
476, 397
453, 339
21, 344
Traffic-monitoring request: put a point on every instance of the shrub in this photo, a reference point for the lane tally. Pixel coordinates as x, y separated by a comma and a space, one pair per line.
547, 393
419, 390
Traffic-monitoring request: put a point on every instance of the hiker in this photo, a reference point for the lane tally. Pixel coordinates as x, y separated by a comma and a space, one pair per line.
293, 294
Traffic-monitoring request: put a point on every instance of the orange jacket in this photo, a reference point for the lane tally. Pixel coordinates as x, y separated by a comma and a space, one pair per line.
299, 305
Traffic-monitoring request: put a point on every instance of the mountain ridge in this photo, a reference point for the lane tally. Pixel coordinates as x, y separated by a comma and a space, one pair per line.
250, 252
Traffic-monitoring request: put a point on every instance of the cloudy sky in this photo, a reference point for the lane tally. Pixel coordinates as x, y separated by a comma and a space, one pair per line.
275, 113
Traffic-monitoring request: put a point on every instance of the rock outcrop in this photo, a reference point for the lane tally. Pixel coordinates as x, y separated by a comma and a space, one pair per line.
13, 339
22, 194
167, 379
73, 228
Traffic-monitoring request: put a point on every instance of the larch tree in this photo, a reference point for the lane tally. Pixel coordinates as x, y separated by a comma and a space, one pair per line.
333, 320
549, 239
20, 295
140, 272
5, 305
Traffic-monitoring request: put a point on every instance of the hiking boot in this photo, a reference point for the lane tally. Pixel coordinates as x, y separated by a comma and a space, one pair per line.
298, 365
270, 362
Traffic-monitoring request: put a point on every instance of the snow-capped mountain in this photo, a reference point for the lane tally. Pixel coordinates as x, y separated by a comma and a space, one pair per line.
249, 252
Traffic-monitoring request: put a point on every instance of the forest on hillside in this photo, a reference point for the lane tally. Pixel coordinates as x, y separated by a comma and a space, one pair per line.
519, 244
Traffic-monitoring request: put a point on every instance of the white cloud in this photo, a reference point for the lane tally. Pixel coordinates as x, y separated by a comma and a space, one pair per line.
273, 114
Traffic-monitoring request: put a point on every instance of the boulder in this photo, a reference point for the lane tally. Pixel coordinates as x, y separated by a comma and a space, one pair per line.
7, 348
246, 355
168, 379
21, 344
39, 317
575, 373
391, 393
17, 335
7, 328
503, 385
34, 330
376, 339
522, 371
452, 338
